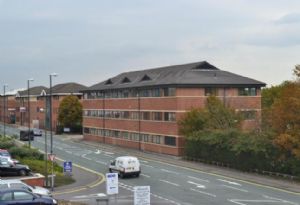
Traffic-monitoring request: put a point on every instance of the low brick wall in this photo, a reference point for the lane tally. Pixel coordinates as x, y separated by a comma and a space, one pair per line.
35, 180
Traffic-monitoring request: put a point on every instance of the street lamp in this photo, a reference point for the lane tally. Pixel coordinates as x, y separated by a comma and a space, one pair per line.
28, 94
51, 135
4, 108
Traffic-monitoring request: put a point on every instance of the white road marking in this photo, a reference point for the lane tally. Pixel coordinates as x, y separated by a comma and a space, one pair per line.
281, 200
98, 152
144, 161
202, 192
84, 156
203, 180
69, 152
109, 153
100, 162
145, 175
234, 188
108, 156
239, 201
198, 185
165, 170
229, 182
169, 182
146, 165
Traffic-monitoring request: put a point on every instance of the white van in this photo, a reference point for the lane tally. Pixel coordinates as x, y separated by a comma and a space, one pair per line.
125, 166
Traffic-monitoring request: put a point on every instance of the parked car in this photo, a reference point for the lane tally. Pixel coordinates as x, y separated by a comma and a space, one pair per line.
5, 154
18, 184
20, 196
37, 132
125, 166
7, 168
25, 134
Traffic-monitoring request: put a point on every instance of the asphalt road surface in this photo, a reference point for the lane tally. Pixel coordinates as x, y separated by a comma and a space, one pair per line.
169, 184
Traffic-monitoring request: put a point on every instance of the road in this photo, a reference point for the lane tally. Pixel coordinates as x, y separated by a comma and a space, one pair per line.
170, 184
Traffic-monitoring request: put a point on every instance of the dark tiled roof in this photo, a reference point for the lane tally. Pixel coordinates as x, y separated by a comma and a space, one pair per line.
33, 91
67, 88
199, 74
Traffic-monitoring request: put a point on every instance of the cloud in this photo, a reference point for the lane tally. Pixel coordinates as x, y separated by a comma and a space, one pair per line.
291, 18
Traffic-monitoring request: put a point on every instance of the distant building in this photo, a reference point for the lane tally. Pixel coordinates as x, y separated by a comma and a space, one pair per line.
39, 104
140, 109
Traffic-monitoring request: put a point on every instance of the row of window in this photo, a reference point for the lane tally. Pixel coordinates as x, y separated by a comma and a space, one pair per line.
131, 93
131, 115
158, 92
133, 136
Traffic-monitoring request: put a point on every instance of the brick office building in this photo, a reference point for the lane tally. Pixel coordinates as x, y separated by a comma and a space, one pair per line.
40, 103
140, 109
9, 103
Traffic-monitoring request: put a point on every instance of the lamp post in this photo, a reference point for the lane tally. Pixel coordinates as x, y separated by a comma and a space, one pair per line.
51, 135
4, 108
28, 110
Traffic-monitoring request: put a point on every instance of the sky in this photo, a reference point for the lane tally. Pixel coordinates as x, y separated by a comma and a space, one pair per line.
88, 41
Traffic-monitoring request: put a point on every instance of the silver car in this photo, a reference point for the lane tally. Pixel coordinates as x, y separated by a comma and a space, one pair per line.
18, 184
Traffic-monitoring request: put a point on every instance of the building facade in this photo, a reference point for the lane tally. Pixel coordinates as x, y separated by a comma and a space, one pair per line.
140, 109
39, 102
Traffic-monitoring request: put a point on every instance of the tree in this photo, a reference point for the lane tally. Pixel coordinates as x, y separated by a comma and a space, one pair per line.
70, 112
286, 120
215, 116
297, 71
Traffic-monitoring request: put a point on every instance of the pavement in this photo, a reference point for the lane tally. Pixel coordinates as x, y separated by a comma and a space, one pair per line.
258, 179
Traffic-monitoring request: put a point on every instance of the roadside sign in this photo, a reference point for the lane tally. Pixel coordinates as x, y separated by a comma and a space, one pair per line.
67, 167
112, 186
51, 157
142, 195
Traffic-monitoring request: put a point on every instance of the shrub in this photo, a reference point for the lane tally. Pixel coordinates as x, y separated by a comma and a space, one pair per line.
26, 152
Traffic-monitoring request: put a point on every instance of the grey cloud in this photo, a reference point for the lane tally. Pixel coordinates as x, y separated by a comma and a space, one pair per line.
292, 18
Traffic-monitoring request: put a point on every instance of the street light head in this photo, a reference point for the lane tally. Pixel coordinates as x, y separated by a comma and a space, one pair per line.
54, 74
30, 79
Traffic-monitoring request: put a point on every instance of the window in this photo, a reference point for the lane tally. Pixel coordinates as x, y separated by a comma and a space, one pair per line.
20, 195
156, 92
145, 93
210, 91
170, 116
247, 92
169, 91
145, 115
157, 116
170, 141
7, 197
125, 135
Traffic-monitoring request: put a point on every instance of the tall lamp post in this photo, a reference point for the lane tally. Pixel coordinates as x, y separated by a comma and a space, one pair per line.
28, 94
4, 108
51, 135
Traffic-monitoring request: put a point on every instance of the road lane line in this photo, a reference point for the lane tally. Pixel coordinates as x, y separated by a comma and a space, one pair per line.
145, 175
146, 165
234, 188
202, 192
100, 162
229, 182
165, 170
198, 185
109, 153
281, 200
169, 182
84, 156
203, 180
108, 156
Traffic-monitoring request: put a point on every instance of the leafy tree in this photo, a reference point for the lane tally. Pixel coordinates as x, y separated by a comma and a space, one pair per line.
215, 116
286, 119
297, 71
70, 112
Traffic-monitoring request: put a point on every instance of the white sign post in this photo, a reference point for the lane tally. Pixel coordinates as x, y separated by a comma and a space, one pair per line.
142, 195
112, 183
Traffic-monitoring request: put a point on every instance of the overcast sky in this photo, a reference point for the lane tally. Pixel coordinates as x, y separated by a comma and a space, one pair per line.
88, 41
